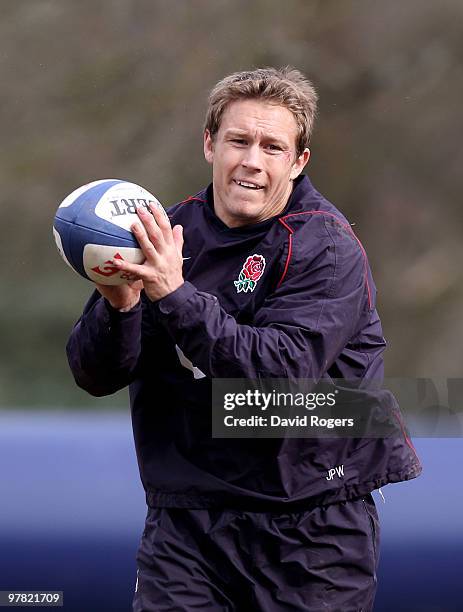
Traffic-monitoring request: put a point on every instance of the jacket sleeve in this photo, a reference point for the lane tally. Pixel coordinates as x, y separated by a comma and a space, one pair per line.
104, 347
298, 332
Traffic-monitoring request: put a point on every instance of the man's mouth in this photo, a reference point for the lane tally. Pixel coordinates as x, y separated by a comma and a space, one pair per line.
248, 185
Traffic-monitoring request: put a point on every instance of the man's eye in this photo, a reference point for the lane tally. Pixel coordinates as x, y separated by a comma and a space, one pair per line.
240, 141
273, 147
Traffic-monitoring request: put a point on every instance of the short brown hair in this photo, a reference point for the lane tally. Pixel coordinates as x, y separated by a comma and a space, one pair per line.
284, 86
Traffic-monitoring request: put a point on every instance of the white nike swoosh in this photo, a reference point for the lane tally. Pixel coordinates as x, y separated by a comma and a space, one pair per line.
185, 258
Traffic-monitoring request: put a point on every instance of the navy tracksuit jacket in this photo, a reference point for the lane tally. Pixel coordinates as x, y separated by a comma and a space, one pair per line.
310, 314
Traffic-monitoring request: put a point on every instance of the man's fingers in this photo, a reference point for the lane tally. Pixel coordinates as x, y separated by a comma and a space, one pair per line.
177, 233
163, 222
135, 271
150, 228
148, 243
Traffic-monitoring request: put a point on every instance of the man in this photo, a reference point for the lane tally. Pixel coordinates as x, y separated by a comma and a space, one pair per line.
271, 282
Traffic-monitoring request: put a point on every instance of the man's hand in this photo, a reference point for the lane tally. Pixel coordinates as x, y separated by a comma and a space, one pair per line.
122, 297
161, 271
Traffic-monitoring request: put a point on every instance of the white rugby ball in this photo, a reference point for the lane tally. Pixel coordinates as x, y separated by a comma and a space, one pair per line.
92, 227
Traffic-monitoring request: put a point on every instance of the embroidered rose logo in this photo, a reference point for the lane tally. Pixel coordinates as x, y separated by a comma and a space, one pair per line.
250, 273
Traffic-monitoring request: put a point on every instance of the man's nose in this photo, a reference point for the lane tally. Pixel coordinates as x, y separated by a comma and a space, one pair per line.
252, 158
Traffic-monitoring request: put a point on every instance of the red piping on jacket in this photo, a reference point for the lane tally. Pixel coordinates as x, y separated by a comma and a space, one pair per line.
346, 226
290, 249
191, 198
404, 433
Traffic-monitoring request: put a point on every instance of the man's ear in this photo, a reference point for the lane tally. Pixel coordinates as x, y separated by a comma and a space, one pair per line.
208, 147
299, 164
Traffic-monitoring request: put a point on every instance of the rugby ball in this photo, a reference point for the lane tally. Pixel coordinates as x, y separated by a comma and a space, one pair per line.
92, 227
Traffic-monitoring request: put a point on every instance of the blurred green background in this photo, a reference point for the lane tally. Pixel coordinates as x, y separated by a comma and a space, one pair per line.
118, 88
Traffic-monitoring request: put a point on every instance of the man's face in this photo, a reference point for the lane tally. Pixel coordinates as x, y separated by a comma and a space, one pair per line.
254, 163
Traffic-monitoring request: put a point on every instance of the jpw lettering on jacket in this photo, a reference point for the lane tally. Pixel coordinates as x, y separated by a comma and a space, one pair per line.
339, 470
127, 205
